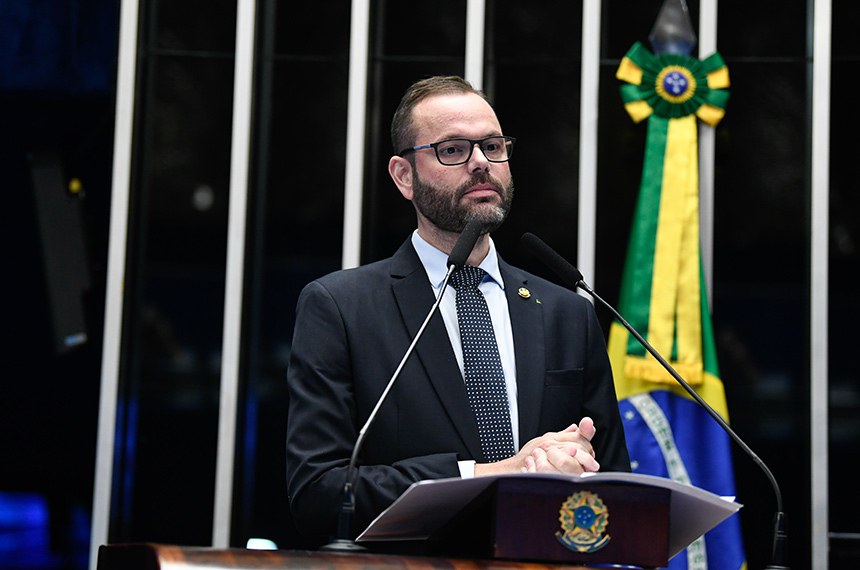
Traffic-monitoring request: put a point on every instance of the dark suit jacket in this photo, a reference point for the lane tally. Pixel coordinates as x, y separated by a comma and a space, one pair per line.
353, 328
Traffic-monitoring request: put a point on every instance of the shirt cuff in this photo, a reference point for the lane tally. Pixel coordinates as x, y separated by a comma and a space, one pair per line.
467, 469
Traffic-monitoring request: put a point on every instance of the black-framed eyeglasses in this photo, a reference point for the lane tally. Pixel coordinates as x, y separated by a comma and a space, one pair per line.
452, 152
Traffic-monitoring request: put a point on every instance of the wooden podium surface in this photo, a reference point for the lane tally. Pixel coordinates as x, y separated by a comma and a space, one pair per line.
149, 556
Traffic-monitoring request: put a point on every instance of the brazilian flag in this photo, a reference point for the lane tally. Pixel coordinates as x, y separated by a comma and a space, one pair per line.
663, 296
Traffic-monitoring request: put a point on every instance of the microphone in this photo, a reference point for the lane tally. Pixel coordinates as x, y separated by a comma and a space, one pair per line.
456, 259
464, 246
573, 278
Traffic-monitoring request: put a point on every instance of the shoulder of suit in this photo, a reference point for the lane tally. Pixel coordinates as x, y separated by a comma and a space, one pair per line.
373, 274
355, 275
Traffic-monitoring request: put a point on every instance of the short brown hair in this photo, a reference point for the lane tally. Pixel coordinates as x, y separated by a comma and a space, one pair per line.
402, 128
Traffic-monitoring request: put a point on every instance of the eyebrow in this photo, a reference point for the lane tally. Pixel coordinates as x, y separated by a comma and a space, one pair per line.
460, 136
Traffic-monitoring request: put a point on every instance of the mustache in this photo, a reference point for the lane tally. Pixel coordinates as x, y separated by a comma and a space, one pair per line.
479, 178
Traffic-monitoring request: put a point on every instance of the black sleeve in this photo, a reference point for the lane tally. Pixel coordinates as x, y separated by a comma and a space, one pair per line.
601, 403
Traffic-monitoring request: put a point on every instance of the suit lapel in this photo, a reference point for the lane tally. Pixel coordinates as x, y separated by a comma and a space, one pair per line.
527, 326
414, 297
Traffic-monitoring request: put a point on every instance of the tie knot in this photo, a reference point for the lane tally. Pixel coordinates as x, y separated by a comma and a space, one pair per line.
468, 277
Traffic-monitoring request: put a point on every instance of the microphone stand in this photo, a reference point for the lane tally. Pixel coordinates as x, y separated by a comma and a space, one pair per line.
343, 543
573, 278
779, 534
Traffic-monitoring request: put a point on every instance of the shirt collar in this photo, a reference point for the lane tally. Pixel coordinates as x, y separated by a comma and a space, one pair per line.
435, 262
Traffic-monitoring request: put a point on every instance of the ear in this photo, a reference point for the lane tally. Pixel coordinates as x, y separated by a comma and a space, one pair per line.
400, 170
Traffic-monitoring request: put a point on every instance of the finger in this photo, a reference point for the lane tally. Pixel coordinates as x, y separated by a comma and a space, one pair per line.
586, 428
571, 428
529, 465
541, 463
564, 462
576, 463
582, 446
587, 461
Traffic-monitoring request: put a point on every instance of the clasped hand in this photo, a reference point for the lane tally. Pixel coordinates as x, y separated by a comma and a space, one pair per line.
568, 451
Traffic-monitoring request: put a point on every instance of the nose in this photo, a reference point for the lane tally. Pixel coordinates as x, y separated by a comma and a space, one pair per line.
478, 161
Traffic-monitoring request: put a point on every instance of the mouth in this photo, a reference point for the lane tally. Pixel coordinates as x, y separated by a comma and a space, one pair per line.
482, 191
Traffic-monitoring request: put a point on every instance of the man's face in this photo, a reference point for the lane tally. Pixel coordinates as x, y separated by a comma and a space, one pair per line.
450, 196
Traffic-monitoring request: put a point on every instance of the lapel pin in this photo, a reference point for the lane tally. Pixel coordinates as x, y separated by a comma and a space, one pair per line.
524, 293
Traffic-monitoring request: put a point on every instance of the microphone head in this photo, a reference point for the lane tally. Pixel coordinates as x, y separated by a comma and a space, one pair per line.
553, 260
465, 244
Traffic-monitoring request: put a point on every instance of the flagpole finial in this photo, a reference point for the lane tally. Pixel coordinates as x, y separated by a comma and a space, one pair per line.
673, 30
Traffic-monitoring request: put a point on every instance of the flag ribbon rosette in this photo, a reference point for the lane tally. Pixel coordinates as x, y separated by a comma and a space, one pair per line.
662, 286
673, 85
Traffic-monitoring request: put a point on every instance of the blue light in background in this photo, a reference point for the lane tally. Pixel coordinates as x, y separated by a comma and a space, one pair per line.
25, 535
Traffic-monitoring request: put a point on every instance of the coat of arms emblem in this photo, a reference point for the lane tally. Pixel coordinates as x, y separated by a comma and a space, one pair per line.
584, 519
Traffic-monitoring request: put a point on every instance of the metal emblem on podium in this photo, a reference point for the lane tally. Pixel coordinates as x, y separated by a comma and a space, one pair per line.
584, 519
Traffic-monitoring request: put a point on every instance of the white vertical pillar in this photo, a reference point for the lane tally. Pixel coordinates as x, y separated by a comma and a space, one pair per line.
588, 115
707, 46
355, 133
240, 150
819, 270
475, 23
117, 245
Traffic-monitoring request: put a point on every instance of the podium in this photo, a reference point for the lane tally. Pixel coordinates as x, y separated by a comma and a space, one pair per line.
600, 518
516, 522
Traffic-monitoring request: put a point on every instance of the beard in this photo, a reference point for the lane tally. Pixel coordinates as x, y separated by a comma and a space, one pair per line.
446, 210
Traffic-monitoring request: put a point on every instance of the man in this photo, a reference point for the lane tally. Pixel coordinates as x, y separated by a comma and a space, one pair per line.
353, 328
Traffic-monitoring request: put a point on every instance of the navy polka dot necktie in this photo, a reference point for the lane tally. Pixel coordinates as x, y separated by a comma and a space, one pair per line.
485, 380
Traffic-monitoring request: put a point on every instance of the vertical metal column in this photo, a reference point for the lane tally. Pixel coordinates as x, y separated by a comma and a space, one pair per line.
707, 46
588, 121
819, 282
475, 23
243, 87
117, 245
355, 133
